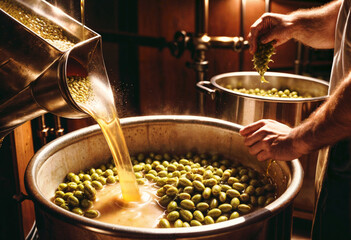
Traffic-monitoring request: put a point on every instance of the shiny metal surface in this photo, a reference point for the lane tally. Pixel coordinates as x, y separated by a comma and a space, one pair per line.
33, 72
178, 134
244, 108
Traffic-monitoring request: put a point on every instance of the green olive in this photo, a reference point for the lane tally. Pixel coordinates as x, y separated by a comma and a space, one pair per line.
208, 220
164, 223
196, 198
186, 215
173, 216
235, 203
244, 208
77, 210
234, 215
214, 213
232, 193
216, 189
238, 186
97, 185
202, 206
195, 223
221, 219
172, 206
199, 186
225, 207
59, 194
214, 203
178, 223
91, 213
198, 216
59, 201
206, 194
187, 204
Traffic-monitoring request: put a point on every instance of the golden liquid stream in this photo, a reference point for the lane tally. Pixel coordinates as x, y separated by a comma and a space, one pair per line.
115, 139
108, 120
271, 161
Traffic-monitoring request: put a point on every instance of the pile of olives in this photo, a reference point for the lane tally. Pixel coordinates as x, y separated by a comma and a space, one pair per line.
80, 89
273, 92
194, 189
41, 26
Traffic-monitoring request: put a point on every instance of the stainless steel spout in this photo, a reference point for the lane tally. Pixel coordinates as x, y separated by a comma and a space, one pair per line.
34, 67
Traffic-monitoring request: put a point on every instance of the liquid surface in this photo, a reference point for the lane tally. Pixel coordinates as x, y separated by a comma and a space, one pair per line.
145, 214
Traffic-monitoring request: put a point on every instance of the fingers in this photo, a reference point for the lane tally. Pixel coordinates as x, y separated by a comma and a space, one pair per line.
262, 149
253, 35
263, 144
263, 156
254, 138
269, 27
251, 128
261, 138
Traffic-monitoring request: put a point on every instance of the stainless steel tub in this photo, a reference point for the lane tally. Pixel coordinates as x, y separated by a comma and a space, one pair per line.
179, 134
244, 108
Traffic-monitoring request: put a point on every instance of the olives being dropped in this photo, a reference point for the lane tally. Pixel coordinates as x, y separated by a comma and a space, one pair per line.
262, 58
193, 189
273, 92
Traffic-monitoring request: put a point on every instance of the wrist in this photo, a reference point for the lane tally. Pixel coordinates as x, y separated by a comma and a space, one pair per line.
299, 143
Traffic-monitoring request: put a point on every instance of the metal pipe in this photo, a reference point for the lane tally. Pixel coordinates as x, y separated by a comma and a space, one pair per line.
201, 17
58, 129
43, 130
201, 29
234, 43
267, 6
242, 31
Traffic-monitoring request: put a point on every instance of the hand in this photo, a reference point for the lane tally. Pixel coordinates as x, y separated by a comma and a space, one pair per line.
270, 27
269, 139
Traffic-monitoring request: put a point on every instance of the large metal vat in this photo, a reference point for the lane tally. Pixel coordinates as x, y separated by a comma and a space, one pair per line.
244, 109
178, 134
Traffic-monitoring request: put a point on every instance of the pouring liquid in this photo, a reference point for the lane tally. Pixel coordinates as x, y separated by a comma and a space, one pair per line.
96, 99
99, 104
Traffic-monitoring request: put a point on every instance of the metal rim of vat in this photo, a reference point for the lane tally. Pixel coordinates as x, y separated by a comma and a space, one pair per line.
40, 157
214, 82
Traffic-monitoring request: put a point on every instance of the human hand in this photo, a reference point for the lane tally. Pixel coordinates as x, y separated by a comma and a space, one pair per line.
270, 27
269, 139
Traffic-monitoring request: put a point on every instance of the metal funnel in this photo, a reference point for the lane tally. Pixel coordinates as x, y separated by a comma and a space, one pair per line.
34, 65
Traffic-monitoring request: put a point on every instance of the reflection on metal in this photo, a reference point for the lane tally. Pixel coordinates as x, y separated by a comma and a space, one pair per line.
245, 108
33, 71
267, 5
43, 130
175, 134
58, 129
47, 133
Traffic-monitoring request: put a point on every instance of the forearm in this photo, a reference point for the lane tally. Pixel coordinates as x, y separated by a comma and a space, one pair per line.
316, 27
328, 124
